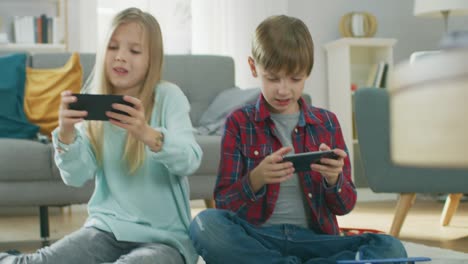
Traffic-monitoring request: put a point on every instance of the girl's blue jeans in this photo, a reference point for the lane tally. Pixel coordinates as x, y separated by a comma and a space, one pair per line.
220, 236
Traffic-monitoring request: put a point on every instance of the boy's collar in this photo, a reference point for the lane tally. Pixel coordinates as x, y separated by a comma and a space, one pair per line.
306, 116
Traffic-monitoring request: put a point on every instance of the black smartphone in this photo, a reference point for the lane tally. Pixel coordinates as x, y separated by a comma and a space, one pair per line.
97, 105
302, 161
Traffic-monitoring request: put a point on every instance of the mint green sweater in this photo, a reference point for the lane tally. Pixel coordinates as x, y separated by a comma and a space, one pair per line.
153, 205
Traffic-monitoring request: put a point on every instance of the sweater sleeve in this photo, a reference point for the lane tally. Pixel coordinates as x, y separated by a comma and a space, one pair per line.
180, 153
76, 161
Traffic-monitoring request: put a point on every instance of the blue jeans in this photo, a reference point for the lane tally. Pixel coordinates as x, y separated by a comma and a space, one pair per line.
220, 236
90, 245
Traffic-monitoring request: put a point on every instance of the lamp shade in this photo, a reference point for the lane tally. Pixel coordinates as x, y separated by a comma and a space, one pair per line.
434, 8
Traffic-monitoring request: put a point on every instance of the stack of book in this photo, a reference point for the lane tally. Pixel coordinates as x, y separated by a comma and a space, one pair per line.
33, 29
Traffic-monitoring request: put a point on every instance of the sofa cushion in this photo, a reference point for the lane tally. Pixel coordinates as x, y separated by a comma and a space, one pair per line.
213, 119
13, 121
201, 78
43, 89
56, 60
211, 146
30, 160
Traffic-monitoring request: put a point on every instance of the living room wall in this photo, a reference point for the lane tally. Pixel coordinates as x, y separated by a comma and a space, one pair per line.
395, 20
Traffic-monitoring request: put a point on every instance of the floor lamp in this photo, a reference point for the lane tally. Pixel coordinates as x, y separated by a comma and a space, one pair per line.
440, 8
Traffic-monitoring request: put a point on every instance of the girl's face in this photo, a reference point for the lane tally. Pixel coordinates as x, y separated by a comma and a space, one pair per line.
127, 59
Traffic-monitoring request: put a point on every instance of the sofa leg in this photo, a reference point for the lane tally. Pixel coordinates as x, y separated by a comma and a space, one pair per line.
44, 224
209, 203
405, 201
451, 205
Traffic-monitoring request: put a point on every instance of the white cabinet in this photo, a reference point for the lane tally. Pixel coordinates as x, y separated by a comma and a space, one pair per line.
26, 30
350, 61
33, 48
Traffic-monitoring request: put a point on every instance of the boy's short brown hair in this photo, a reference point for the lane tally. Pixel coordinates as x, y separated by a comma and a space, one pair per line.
283, 43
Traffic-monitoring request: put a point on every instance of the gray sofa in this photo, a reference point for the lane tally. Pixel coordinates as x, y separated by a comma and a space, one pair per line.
28, 176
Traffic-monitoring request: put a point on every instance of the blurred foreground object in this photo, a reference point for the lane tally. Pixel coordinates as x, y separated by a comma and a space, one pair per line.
455, 39
429, 109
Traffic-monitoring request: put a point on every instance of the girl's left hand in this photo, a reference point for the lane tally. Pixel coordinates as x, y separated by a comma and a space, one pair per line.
134, 122
330, 168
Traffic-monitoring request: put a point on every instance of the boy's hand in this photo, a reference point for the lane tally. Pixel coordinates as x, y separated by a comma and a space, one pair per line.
271, 170
68, 118
330, 168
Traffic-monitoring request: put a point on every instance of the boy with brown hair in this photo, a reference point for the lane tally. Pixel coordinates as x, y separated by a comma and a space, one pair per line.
267, 212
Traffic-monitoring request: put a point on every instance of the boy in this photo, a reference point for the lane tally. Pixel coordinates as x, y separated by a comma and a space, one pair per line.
272, 214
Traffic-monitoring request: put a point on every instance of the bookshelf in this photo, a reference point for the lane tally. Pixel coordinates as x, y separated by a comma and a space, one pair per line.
19, 21
350, 61
34, 48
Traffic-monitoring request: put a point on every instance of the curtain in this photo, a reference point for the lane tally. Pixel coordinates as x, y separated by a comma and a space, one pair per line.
218, 27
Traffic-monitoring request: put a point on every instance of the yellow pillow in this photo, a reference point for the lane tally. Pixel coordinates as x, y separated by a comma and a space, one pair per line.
42, 92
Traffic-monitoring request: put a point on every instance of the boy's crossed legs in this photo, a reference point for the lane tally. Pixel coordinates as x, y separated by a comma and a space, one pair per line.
222, 237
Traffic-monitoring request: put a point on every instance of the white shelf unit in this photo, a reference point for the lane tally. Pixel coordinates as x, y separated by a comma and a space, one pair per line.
12, 8
33, 48
349, 61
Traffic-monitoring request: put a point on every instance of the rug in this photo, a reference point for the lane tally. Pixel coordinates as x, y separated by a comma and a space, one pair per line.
438, 255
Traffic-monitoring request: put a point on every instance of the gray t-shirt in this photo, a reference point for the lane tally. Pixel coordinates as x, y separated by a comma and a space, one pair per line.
291, 207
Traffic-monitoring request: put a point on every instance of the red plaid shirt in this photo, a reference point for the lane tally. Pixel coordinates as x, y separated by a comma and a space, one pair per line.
249, 137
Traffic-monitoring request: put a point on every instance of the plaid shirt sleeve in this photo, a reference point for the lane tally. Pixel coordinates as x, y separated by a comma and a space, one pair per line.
341, 198
233, 190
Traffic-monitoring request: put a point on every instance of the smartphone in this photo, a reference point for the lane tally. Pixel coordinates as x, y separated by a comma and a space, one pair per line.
97, 105
302, 161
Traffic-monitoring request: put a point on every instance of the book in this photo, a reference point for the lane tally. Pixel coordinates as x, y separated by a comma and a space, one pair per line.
383, 80
379, 74
371, 76
45, 36
39, 30
56, 31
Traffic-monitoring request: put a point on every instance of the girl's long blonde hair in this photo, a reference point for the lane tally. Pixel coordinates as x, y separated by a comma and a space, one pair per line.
134, 152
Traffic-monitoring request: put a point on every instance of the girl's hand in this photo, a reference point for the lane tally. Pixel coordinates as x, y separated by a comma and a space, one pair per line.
68, 118
135, 123
330, 168
271, 170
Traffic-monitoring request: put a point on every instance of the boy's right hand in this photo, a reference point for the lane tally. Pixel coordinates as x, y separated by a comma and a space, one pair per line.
271, 170
68, 118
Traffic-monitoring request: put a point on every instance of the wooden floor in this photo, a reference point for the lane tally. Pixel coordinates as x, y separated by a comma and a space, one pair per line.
20, 229
421, 224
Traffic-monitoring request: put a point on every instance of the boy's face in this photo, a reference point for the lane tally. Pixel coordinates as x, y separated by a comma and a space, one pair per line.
127, 59
281, 91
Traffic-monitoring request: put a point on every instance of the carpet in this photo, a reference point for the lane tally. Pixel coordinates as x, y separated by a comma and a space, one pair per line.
438, 255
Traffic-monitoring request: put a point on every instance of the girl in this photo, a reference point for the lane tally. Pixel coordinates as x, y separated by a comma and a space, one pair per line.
139, 212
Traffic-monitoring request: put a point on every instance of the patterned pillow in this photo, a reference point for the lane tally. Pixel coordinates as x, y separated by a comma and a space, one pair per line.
43, 89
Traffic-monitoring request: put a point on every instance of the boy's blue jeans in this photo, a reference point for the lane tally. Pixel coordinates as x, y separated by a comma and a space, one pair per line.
220, 236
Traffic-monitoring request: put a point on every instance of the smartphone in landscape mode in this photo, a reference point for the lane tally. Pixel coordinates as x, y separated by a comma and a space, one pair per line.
302, 161
97, 105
